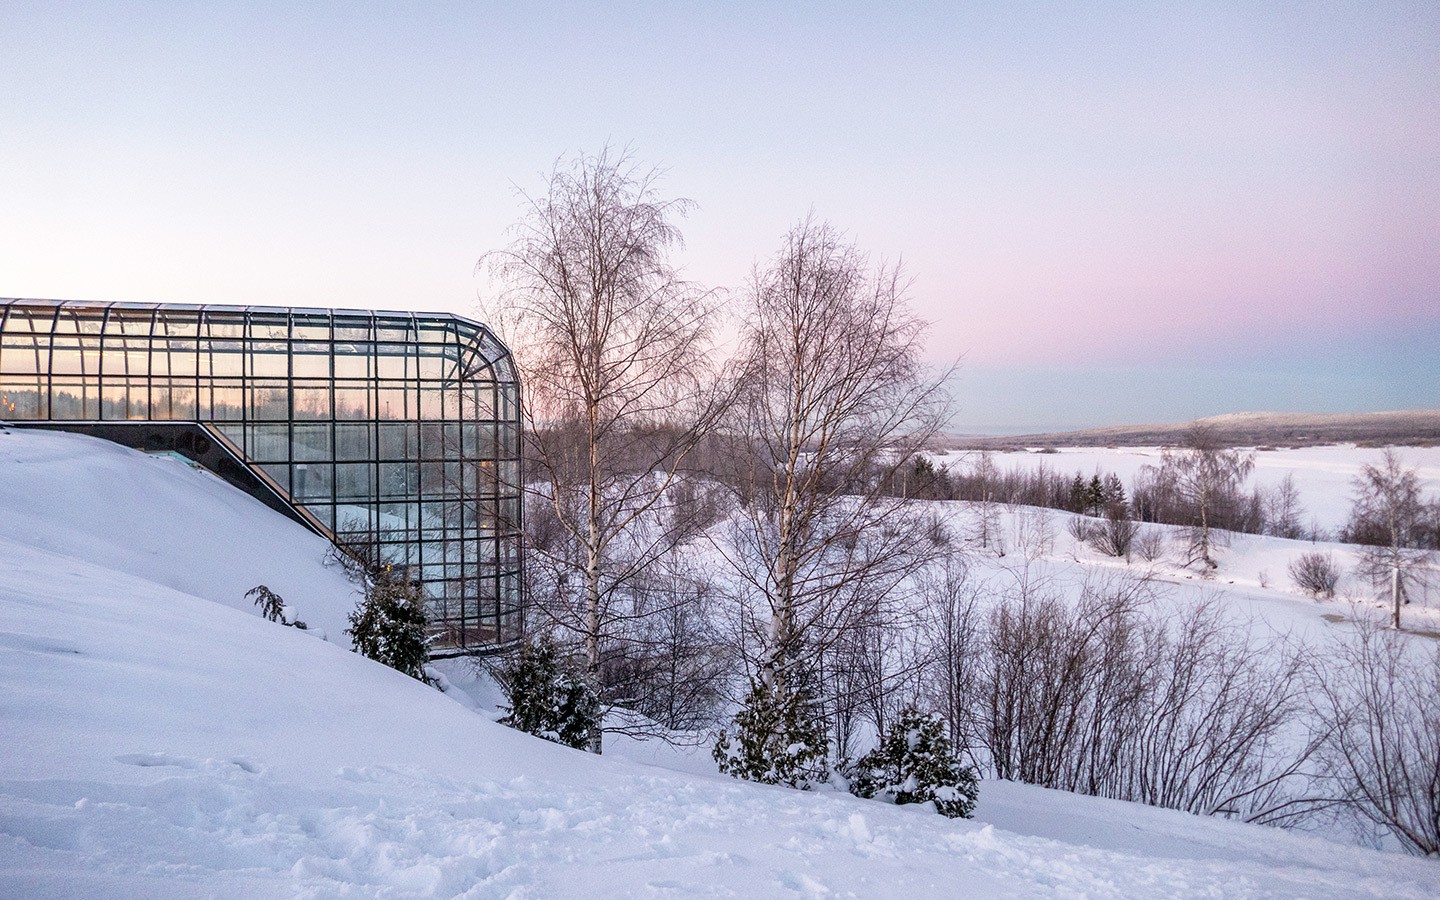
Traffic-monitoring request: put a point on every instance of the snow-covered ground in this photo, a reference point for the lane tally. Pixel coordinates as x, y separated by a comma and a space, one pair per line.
159, 739
1323, 475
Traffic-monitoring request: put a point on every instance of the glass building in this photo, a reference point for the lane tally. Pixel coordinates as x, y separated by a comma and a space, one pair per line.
393, 434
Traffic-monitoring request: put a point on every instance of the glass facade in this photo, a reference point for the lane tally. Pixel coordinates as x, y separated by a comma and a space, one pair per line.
398, 433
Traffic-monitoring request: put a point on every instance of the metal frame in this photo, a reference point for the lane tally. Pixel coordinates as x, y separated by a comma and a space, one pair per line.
396, 433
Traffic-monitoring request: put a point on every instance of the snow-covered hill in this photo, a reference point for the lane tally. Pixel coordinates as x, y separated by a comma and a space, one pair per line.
159, 739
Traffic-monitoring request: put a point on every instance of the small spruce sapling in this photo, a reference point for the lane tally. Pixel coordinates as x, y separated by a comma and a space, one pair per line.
547, 697
272, 606
915, 763
778, 739
389, 625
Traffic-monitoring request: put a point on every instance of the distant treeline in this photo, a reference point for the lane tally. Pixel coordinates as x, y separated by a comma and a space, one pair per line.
1156, 494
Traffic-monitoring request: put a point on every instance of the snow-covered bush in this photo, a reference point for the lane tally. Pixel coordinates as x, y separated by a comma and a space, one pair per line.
388, 626
778, 738
547, 697
1316, 574
916, 763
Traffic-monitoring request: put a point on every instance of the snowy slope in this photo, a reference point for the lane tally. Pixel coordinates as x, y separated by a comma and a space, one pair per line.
156, 743
163, 520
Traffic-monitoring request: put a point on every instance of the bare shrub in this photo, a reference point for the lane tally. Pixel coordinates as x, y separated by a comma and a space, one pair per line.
1379, 698
667, 660
1150, 544
951, 626
1115, 535
1107, 695
1316, 574
1034, 531
1079, 528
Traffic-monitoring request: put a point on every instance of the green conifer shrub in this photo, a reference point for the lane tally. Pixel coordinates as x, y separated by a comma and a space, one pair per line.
778, 738
547, 697
389, 625
915, 763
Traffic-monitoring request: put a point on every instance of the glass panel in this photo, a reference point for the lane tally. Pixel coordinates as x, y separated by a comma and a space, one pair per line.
395, 329
269, 360
224, 325
177, 324
353, 481
352, 360
158, 360
139, 400
182, 356
268, 443
136, 359
399, 479
398, 441
479, 402
432, 332
353, 328
434, 364
357, 522
312, 361
222, 358
28, 320
507, 440
312, 401
322, 511
20, 399
312, 442
432, 479
436, 403
75, 399
311, 328
20, 354
312, 481
224, 401
130, 322
160, 407
396, 517
353, 442
182, 400
352, 402
509, 476
432, 440
76, 321
393, 361
269, 326
270, 401
394, 403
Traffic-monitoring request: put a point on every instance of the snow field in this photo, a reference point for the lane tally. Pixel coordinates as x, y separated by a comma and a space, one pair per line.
159, 739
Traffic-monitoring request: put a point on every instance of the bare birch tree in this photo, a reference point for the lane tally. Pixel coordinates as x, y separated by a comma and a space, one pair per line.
1386, 519
834, 398
613, 349
1206, 475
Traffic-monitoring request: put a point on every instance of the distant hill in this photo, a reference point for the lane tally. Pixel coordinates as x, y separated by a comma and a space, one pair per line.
1246, 429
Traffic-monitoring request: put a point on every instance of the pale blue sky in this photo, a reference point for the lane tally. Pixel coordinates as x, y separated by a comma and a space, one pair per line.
1117, 212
